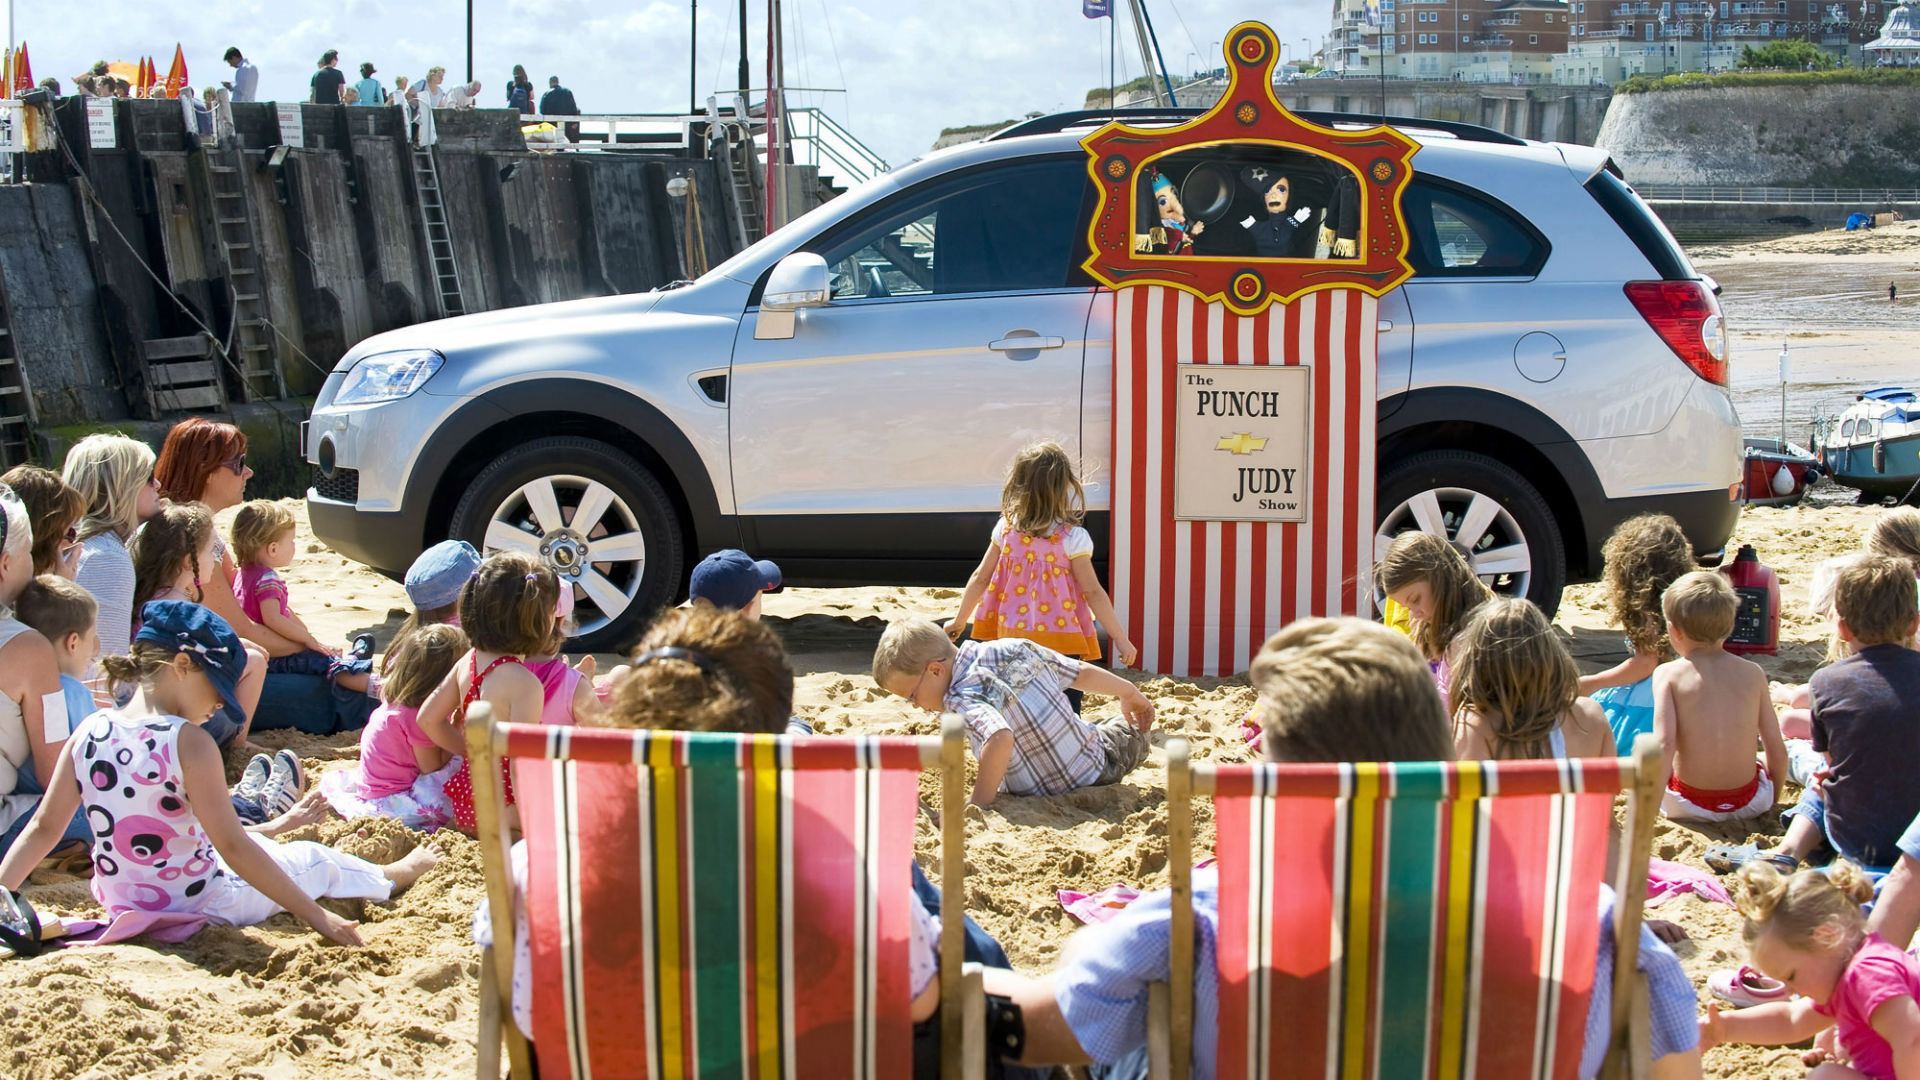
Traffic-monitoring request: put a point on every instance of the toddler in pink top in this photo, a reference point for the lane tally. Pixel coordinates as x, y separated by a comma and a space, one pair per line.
402, 774
263, 545
1806, 930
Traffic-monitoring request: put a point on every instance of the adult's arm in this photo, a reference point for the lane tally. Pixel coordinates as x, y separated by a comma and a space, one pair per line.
1050, 1040
49, 823
1896, 914
29, 675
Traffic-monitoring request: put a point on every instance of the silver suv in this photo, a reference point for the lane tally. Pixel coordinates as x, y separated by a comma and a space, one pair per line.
844, 395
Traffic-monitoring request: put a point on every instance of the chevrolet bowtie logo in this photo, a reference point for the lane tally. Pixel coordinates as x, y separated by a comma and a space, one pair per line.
1242, 443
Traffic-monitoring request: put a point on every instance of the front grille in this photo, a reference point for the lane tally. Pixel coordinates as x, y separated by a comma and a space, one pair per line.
342, 486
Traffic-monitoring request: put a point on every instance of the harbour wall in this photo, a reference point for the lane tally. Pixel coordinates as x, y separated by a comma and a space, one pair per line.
106, 251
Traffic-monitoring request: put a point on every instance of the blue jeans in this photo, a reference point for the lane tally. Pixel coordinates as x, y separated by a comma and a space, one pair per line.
314, 662
311, 703
1814, 808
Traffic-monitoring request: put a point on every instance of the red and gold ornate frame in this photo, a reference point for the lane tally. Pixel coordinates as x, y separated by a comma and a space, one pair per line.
1248, 113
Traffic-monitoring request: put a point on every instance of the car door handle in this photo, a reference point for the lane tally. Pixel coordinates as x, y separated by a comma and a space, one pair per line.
1018, 342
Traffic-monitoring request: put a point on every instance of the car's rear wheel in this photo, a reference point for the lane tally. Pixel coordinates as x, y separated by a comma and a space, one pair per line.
1495, 516
595, 517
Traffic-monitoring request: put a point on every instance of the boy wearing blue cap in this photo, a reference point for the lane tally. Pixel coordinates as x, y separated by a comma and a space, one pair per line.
733, 579
171, 855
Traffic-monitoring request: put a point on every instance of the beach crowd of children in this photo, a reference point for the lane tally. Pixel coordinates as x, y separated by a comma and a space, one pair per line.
138, 646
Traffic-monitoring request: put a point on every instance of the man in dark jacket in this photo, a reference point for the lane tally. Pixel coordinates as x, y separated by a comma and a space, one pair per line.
558, 101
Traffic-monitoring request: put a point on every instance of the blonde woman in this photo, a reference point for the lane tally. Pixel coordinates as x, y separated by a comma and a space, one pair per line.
114, 474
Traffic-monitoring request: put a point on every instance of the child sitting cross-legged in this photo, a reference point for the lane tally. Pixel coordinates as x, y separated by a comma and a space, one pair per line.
1711, 710
402, 773
169, 853
1011, 693
263, 545
1866, 729
1516, 690
1806, 930
1330, 690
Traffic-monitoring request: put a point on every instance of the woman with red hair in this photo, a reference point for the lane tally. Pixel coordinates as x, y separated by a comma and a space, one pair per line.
205, 461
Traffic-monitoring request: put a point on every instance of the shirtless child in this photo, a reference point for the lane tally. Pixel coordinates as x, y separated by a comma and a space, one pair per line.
1710, 708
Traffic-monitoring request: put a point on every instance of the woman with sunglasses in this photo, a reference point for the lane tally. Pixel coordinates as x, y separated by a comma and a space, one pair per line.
205, 461
56, 510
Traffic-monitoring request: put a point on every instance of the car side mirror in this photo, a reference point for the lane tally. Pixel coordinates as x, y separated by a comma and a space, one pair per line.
800, 280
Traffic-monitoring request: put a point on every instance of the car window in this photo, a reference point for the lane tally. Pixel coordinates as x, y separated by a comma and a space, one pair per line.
1457, 234
1008, 229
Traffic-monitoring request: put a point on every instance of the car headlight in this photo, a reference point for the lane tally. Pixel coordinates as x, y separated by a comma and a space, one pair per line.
388, 376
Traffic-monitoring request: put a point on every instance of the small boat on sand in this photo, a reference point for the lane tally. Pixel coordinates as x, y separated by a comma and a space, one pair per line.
1875, 444
1777, 473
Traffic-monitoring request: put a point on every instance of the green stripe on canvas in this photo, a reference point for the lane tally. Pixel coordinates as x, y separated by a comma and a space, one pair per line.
714, 803
1407, 946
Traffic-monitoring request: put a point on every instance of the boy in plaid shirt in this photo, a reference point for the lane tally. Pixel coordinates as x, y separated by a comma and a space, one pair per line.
1011, 693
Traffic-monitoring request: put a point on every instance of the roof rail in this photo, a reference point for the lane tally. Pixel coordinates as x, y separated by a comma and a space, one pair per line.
1058, 122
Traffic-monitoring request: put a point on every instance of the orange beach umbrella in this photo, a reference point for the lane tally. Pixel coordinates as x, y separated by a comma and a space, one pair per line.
22, 79
177, 73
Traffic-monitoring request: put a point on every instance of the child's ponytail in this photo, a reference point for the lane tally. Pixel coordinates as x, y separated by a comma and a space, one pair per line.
1808, 910
508, 606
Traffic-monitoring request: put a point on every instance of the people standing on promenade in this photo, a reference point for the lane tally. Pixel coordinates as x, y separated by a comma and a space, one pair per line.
368, 88
558, 101
520, 92
246, 77
328, 80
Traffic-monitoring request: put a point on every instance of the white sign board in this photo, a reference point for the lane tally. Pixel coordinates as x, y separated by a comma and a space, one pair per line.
293, 130
1243, 442
100, 123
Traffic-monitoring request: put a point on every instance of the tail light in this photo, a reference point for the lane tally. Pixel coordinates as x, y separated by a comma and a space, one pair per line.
1687, 317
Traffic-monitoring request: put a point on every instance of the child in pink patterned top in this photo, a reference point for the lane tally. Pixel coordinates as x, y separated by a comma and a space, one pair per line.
1036, 580
1807, 931
263, 545
169, 853
402, 774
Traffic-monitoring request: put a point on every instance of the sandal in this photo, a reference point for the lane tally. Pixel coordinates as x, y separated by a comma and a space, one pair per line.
1746, 986
1728, 858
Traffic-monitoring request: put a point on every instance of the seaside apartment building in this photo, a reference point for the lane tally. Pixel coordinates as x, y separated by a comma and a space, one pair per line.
1582, 41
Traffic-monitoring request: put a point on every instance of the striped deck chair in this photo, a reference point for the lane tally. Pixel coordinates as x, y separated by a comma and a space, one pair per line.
1424, 920
716, 905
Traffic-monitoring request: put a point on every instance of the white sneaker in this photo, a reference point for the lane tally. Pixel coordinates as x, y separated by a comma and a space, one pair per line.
286, 782
253, 781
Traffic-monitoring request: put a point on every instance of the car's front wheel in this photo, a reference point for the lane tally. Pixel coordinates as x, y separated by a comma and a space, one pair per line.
595, 517
1490, 512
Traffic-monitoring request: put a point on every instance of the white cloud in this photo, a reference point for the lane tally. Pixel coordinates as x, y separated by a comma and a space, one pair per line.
909, 67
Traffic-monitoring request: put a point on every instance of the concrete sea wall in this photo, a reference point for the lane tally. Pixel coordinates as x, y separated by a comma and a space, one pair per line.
1830, 136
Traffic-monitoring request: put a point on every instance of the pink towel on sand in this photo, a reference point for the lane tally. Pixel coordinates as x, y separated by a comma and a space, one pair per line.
167, 927
1666, 880
1102, 905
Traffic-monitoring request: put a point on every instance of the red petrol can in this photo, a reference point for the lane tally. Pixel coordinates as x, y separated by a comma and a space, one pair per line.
1756, 622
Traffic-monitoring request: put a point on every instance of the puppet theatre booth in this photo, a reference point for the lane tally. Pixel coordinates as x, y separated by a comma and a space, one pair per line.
1247, 250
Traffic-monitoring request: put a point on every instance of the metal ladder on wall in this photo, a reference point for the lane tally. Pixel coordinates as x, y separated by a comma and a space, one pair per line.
433, 223
743, 172
251, 345
16, 401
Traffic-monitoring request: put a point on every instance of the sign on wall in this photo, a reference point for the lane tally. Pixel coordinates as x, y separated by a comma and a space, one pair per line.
100, 123
293, 128
1247, 250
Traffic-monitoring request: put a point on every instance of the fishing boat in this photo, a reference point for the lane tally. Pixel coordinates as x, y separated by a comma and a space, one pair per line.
1875, 444
1777, 473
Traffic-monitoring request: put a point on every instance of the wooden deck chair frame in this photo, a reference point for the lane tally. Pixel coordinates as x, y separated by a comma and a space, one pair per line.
963, 1001
1170, 1007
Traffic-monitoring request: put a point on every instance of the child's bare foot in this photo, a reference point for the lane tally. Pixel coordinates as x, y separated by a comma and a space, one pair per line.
408, 870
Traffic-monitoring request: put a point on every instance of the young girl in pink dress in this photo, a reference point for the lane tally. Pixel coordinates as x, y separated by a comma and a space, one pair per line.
514, 611
1036, 580
1806, 930
402, 773
169, 854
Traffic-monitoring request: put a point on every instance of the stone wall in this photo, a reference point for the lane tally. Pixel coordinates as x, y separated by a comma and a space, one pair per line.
1834, 136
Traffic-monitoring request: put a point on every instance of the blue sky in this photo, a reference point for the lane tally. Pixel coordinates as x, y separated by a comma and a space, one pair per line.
910, 67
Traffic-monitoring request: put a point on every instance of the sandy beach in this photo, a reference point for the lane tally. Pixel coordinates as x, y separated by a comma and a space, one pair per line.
275, 1001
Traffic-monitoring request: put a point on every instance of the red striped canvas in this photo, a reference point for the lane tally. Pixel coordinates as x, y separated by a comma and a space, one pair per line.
1200, 597
710, 905
1421, 921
